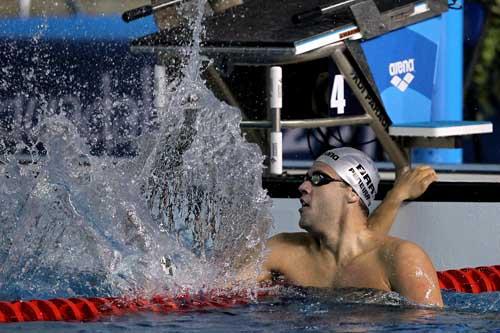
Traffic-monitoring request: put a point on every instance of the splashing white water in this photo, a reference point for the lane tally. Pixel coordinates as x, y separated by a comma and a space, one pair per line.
186, 212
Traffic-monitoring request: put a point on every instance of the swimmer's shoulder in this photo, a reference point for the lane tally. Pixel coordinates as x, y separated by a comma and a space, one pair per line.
285, 250
395, 250
410, 272
393, 245
290, 239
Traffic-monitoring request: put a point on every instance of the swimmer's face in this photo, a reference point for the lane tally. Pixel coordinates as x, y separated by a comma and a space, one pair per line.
322, 197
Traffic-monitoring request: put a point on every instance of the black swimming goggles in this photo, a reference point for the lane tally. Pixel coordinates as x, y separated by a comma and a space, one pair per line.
318, 178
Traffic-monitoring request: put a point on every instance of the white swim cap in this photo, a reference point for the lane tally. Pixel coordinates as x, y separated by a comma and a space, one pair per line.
356, 169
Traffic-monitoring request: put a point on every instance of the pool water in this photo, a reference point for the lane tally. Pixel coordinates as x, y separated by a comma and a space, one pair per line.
306, 312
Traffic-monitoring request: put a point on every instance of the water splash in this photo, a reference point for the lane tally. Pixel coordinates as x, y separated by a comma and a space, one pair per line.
78, 229
183, 212
206, 184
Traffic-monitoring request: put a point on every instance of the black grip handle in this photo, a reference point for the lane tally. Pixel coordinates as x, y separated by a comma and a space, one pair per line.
137, 13
307, 15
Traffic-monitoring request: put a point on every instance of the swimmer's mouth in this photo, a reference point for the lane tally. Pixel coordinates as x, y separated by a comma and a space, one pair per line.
303, 203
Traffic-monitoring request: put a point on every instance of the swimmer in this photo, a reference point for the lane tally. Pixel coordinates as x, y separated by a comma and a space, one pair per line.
342, 247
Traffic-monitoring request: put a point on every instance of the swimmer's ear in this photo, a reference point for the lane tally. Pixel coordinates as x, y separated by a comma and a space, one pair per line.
352, 197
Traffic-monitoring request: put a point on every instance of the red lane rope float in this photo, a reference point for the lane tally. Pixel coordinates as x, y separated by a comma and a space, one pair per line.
471, 280
89, 309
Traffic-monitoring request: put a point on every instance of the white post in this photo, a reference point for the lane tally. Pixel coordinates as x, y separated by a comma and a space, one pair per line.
160, 87
24, 8
276, 103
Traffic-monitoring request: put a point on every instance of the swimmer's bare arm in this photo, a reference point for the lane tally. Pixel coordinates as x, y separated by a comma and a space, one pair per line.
275, 260
412, 275
281, 255
409, 185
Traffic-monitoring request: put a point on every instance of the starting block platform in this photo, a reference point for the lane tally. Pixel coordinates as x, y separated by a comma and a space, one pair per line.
361, 37
435, 129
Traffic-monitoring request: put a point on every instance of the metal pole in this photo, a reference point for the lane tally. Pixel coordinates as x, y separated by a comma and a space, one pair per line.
215, 79
372, 107
223, 87
310, 123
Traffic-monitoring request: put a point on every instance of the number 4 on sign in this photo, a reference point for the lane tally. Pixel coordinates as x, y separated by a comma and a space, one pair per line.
337, 100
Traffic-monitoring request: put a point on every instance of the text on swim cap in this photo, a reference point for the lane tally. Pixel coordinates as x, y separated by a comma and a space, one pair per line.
366, 177
332, 155
364, 190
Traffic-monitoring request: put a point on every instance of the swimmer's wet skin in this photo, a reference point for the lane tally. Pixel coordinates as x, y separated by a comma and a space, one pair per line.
342, 246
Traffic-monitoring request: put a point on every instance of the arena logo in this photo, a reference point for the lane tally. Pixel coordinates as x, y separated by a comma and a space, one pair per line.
332, 155
405, 69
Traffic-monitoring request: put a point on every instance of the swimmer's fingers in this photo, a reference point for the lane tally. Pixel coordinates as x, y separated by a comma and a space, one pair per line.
419, 174
424, 176
412, 183
424, 171
423, 185
424, 168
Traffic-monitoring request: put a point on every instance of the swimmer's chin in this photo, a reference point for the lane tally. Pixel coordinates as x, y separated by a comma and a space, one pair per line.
303, 225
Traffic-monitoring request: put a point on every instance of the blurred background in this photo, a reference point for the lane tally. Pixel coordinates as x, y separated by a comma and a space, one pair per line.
73, 56
15, 8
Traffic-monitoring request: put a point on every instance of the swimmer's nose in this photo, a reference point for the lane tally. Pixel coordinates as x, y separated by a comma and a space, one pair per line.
305, 187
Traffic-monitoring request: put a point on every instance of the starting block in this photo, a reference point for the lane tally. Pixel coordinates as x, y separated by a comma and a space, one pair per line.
261, 33
435, 129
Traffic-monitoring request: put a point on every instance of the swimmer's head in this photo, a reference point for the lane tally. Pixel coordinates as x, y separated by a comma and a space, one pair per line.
356, 169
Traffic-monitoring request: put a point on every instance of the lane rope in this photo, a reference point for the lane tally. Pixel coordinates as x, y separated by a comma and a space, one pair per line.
468, 280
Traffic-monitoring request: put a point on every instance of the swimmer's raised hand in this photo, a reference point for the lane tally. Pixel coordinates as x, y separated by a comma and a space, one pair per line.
414, 182
409, 185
